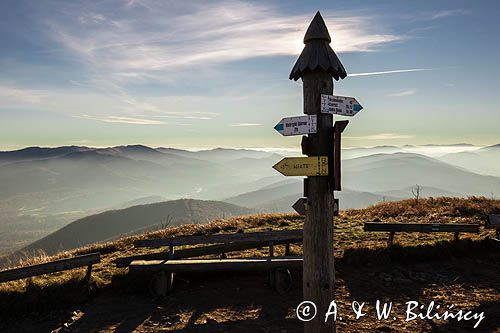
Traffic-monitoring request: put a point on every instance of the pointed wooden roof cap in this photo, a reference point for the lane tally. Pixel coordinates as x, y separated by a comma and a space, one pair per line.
317, 30
317, 55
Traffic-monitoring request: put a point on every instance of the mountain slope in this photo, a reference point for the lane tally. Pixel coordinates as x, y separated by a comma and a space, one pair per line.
348, 199
112, 224
386, 172
280, 197
484, 161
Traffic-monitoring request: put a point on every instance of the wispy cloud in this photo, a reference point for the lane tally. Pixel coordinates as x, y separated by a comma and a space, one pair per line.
10, 95
403, 93
382, 136
245, 124
167, 38
123, 120
391, 72
111, 108
447, 13
121, 45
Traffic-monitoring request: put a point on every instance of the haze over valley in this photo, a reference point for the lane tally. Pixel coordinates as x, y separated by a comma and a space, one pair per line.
45, 189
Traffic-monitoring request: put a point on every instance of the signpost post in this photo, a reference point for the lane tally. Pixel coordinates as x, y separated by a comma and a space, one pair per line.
316, 66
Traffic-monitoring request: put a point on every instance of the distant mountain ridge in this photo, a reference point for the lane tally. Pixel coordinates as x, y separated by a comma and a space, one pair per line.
43, 189
112, 224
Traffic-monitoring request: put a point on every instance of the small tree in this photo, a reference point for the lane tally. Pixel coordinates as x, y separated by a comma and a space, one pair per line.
168, 222
416, 192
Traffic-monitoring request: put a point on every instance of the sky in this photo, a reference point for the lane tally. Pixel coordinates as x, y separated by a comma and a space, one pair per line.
204, 74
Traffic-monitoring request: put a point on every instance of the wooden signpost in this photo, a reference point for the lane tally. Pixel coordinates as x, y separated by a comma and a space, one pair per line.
316, 66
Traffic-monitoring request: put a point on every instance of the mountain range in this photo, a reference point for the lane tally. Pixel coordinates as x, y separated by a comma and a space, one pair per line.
44, 189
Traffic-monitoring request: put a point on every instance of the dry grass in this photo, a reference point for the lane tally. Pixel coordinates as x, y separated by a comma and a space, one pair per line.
63, 288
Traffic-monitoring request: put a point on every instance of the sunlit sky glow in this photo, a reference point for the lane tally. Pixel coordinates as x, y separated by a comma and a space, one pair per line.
215, 74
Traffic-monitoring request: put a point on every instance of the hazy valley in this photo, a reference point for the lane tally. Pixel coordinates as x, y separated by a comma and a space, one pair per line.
45, 189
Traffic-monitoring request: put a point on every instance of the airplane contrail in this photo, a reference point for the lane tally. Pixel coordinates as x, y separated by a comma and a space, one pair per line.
391, 72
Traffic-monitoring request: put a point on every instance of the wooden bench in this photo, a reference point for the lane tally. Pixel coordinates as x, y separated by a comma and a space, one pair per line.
392, 228
52, 267
493, 222
218, 244
174, 261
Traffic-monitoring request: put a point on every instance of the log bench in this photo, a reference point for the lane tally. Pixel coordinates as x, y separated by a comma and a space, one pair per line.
493, 222
392, 228
52, 267
166, 263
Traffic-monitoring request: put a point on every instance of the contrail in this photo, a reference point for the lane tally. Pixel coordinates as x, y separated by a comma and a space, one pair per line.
391, 72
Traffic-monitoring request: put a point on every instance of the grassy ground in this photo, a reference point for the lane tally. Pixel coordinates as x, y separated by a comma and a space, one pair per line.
421, 267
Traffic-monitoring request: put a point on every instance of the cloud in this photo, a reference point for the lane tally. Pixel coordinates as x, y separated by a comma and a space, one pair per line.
245, 124
110, 108
382, 136
448, 13
391, 72
123, 120
10, 95
403, 93
123, 43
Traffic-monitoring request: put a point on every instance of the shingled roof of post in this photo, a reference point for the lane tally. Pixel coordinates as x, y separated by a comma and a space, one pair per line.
317, 55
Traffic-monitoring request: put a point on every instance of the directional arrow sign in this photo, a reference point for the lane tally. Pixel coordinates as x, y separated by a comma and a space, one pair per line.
303, 166
341, 105
300, 206
297, 125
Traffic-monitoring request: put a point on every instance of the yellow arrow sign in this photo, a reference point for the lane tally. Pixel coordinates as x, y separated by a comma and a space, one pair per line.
303, 166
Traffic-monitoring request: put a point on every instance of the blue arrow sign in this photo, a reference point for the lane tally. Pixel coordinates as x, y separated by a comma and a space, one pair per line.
297, 125
341, 105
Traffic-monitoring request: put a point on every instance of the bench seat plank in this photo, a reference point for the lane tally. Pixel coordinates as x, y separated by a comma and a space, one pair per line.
420, 227
493, 221
266, 236
50, 267
212, 265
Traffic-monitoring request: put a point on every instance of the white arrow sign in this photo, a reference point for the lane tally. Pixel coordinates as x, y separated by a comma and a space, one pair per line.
341, 105
297, 125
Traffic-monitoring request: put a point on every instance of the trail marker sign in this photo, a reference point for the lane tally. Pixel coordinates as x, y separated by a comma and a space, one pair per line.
303, 166
341, 105
300, 206
297, 125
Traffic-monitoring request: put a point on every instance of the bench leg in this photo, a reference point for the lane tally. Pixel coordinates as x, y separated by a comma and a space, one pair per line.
272, 277
171, 252
282, 280
287, 250
456, 237
390, 241
161, 284
88, 274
